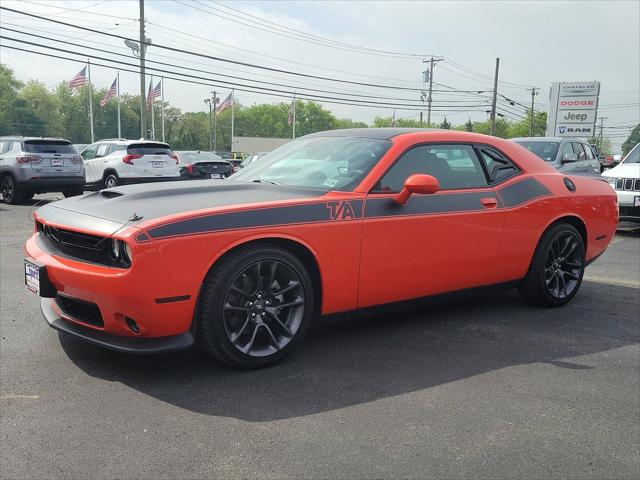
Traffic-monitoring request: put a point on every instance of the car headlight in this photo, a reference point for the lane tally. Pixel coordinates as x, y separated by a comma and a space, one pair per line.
120, 251
611, 181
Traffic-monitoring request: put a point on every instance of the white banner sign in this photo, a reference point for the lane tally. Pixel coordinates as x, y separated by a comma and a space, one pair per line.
573, 109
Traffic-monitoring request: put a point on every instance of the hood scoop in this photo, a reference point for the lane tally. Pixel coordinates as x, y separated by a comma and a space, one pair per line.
110, 193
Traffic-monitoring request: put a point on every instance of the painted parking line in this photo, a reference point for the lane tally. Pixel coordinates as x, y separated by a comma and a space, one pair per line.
19, 397
612, 281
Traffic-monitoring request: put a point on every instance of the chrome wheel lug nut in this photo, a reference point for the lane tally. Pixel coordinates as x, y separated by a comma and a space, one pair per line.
259, 296
262, 314
251, 304
253, 314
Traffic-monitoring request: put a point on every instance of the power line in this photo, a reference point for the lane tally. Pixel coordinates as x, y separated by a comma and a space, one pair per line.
208, 83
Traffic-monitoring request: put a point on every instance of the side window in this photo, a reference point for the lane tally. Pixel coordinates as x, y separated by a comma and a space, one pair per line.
566, 148
16, 147
589, 152
498, 167
577, 149
455, 166
102, 150
89, 152
117, 148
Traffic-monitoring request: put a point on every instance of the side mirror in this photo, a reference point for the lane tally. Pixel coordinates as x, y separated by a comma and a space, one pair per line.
569, 157
417, 183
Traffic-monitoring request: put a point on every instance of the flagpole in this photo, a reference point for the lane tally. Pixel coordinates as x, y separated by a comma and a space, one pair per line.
233, 107
153, 126
90, 100
118, 81
294, 115
162, 105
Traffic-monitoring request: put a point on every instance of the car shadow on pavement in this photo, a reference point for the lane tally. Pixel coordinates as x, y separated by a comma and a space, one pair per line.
353, 362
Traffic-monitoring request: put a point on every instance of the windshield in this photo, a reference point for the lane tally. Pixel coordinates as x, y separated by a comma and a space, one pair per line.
187, 158
547, 151
48, 146
326, 163
633, 156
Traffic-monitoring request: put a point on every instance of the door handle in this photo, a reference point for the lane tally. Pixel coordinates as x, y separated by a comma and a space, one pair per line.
489, 202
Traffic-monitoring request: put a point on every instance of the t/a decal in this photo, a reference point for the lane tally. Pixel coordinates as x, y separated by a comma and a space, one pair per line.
341, 210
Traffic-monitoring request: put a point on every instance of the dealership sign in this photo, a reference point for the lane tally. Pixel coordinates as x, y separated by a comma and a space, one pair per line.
573, 109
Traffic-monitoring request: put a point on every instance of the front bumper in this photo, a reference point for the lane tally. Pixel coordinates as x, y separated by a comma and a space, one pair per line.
137, 345
161, 309
629, 210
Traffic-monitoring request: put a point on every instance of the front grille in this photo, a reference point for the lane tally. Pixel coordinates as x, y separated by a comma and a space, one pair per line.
629, 184
80, 246
85, 312
212, 167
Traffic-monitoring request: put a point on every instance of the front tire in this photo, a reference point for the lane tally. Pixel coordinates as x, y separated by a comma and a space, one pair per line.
255, 306
557, 267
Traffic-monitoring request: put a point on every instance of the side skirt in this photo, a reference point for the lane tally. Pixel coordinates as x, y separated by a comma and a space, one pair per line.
417, 303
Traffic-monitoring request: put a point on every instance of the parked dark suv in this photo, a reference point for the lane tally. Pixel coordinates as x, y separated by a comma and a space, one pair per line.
30, 165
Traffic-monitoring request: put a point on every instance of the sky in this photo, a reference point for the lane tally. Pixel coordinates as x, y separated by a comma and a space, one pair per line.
380, 43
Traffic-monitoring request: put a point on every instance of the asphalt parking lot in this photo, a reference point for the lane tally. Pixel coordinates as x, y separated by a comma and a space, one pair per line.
488, 387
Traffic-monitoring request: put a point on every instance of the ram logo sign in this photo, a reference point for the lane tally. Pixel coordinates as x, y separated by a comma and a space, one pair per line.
573, 109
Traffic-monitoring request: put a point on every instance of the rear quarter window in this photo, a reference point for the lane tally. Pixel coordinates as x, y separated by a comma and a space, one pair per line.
39, 146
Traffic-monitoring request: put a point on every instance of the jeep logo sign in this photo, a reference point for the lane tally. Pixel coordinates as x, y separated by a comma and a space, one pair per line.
573, 109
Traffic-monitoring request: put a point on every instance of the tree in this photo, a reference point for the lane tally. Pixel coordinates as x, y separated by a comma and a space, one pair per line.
632, 140
348, 123
468, 126
445, 125
9, 87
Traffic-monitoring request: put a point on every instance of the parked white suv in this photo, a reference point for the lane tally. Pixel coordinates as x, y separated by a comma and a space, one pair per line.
625, 179
112, 162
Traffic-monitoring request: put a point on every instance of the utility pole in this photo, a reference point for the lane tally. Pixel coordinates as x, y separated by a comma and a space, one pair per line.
143, 111
432, 62
208, 102
495, 98
533, 94
600, 137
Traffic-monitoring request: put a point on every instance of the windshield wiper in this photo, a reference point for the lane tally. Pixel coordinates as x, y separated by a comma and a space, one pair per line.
259, 180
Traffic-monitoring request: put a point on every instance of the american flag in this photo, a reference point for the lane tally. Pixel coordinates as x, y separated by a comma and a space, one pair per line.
80, 79
110, 93
156, 92
224, 104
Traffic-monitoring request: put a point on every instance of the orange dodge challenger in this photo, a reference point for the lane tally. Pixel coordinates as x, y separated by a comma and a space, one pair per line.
332, 222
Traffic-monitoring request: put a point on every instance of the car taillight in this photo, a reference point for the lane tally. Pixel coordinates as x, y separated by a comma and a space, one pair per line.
175, 157
76, 159
189, 169
129, 157
28, 158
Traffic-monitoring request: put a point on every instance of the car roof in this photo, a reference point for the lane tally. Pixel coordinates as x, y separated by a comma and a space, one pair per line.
386, 133
548, 139
18, 137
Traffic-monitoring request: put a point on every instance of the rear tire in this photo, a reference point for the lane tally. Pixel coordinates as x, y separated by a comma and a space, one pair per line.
111, 180
556, 269
255, 306
12, 194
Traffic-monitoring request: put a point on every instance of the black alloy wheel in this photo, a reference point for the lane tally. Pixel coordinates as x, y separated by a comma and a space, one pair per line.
263, 308
557, 267
563, 266
9, 189
255, 306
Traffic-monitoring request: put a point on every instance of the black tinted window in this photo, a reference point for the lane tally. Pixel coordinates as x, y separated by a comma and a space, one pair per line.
47, 146
455, 166
148, 149
498, 167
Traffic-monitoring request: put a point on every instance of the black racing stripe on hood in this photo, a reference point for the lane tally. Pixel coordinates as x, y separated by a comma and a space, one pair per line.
262, 217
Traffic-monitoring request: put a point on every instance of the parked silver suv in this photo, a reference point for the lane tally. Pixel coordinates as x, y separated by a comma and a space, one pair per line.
30, 165
568, 155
